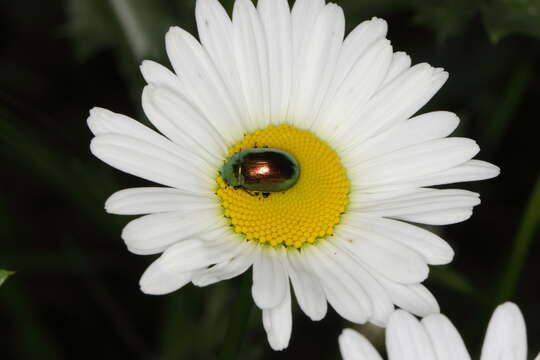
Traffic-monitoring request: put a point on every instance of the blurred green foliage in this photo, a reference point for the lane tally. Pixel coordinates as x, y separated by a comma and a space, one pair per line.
507, 17
4, 274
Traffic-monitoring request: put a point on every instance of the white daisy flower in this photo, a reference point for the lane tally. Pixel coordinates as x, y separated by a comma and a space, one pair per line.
435, 337
277, 99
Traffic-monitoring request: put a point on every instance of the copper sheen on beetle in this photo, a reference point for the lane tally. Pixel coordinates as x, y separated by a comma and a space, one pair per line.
261, 169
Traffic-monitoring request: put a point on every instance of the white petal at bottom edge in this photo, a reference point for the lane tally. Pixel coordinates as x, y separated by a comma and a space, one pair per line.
406, 339
342, 289
157, 281
384, 256
277, 322
381, 304
231, 268
192, 254
353, 346
270, 279
307, 288
447, 342
415, 298
506, 336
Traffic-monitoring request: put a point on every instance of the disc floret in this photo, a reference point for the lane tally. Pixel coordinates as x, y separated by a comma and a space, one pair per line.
304, 213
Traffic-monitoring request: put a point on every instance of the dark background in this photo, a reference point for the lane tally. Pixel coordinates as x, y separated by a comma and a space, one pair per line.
75, 292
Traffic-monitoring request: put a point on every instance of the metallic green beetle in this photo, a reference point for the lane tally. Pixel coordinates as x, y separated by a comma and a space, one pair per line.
261, 169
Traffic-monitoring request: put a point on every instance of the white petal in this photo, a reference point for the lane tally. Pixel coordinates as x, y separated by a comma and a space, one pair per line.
446, 340
196, 254
506, 336
157, 281
471, 170
251, 57
431, 247
216, 35
102, 121
353, 60
355, 46
230, 268
183, 123
191, 62
315, 64
380, 301
416, 201
400, 62
277, 322
406, 339
353, 346
151, 234
415, 161
304, 14
307, 288
276, 19
270, 279
394, 103
153, 162
439, 217
343, 291
414, 298
355, 91
417, 130
147, 200
159, 76
383, 255
429, 206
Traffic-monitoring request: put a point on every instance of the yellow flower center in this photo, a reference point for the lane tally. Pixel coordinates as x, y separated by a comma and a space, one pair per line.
306, 212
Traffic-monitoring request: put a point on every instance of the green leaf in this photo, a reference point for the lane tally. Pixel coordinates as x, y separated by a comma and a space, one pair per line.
4, 274
452, 279
521, 245
138, 25
506, 17
507, 105
144, 24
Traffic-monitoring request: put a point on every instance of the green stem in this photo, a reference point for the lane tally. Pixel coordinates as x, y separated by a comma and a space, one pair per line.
238, 321
522, 242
